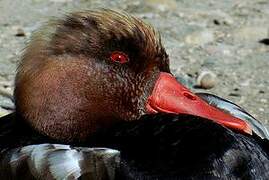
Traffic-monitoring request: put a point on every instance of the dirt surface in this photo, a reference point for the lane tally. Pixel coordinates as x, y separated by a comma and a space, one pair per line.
228, 38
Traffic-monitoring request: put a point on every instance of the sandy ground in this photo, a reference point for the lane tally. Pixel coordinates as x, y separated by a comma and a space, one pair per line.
228, 38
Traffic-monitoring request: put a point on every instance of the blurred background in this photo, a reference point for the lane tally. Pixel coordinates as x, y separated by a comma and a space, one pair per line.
221, 47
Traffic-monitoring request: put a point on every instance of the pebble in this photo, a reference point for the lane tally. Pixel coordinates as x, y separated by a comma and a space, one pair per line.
264, 41
251, 33
235, 94
162, 5
219, 50
245, 83
6, 92
222, 18
200, 37
5, 83
60, 1
206, 80
216, 22
20, 32
261, 109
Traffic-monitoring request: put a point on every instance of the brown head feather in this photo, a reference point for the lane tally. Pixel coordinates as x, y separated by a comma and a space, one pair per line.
65, 86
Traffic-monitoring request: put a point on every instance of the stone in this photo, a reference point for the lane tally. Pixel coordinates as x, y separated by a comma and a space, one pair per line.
6, 92
163, 5
20, 32
60, 1
251, 33
200, 37
206, 80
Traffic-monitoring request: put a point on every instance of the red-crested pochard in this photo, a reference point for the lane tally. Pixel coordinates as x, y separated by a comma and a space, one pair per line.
102, 79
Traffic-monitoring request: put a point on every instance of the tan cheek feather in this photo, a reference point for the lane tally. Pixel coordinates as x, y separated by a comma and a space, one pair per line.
51, 99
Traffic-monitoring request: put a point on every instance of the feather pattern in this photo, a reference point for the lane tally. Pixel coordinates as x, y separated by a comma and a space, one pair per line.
168, 146
55, 161
160, 146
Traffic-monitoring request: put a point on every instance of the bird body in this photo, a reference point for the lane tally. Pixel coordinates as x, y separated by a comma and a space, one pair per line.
95, 98
158, 146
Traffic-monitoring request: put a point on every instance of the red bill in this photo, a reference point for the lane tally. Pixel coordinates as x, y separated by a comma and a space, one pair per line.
172, 97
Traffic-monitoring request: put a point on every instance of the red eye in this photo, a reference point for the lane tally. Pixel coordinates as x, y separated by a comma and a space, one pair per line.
119, 57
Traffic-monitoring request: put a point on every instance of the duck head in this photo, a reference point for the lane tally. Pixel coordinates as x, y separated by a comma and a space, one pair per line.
94, 68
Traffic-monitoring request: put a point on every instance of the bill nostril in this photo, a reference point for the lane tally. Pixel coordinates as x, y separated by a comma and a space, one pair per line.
189, 96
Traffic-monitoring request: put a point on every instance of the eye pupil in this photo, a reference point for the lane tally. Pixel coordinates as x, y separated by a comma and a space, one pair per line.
119, 57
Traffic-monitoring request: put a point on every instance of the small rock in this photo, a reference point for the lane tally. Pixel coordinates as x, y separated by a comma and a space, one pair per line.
5, 83
6, 92
234, 94
147, 15
221, 18
20, 32
162, 5
251, 33
261, 109
60, 1
216, 22
245, 83
219, 49
200, 37
265, 41
206, 80
236, 89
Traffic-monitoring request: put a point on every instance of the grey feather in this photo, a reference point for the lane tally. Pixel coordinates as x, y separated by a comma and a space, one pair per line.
236, 111
55, 161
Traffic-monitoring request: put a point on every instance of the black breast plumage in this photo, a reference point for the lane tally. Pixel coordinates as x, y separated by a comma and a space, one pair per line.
160, 146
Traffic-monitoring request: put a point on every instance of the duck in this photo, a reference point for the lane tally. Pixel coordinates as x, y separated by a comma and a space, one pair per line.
95, 99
